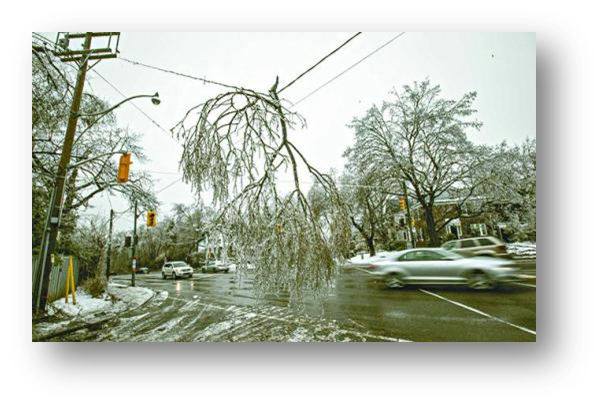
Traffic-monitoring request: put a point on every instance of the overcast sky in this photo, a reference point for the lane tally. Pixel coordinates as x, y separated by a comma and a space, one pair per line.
501, 67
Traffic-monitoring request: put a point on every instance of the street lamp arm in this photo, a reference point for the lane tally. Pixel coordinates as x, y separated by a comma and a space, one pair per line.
155, 100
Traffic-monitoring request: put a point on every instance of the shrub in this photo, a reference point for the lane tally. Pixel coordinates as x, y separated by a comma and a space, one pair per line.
95, 285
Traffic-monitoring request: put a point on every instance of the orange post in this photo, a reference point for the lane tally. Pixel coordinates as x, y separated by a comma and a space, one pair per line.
70, 283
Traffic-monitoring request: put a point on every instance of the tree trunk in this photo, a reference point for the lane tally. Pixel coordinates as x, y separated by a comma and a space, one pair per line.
371, 246
431, 226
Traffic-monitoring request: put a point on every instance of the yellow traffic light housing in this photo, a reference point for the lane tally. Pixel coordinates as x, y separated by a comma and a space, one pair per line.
402, 204
151, 219
124, 163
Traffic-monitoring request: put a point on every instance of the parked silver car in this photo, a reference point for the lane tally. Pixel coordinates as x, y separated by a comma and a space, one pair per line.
478, 246
440, 266
175, 269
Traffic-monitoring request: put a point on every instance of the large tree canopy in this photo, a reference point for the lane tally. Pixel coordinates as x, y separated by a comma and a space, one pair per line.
420, 137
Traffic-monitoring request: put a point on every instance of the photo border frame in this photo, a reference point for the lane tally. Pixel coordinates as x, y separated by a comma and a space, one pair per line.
515, 370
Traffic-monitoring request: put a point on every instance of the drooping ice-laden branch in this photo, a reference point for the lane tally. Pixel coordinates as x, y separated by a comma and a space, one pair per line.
235, 145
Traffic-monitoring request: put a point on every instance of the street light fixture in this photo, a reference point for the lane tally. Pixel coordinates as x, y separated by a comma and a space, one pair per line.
153, 98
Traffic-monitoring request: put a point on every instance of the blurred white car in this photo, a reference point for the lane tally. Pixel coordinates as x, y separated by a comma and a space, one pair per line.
439, 266
175, 269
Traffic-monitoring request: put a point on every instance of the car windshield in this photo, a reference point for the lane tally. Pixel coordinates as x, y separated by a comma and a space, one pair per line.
179, 264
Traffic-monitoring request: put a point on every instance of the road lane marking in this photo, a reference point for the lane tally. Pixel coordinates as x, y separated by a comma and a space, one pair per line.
525, 285
477, 311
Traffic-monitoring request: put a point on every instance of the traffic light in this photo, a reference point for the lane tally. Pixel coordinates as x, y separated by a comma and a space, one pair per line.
402, 204
279, 228
124, 163
127, 241
151, 219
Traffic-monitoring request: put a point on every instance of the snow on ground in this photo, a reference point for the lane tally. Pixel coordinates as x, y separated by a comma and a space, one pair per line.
88, 309
119, 298
361, 258
522, 249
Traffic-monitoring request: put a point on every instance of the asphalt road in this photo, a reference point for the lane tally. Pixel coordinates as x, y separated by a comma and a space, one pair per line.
216, 307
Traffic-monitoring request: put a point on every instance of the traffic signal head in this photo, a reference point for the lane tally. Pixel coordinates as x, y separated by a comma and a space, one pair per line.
402, 204
151, 219
124, 163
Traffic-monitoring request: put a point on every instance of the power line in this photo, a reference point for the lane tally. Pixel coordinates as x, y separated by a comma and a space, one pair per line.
169, 186
40, 37
108, 195
349, 68
162, 172
156, 68
319, 62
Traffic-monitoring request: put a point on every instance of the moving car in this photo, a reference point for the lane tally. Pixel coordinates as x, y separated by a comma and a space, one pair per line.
175, 269
439, 266
143, 270
478, 246
215, 266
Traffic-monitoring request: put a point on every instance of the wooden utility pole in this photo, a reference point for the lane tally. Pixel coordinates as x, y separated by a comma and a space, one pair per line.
54, 213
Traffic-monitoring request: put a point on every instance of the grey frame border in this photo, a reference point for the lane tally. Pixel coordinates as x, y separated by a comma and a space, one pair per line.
516, 367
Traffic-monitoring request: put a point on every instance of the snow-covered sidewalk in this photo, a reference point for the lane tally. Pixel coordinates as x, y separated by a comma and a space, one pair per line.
89, 310
523, 250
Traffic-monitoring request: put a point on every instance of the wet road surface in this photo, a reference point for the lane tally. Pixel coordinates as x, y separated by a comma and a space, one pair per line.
222, 307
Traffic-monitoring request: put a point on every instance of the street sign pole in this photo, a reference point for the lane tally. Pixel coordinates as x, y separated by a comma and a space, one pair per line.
108, 250
133, 246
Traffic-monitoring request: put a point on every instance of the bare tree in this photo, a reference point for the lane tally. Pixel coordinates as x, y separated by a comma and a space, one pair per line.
237, 146
99, 139
367, 200
420, 138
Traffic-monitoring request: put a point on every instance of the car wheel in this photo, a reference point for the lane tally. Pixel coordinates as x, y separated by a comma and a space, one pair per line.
394, 281
478, 280
163, 275
174, 276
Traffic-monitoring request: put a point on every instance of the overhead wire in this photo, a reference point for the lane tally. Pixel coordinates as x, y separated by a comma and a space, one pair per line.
348, 69
319, 62
169, 186
165, 70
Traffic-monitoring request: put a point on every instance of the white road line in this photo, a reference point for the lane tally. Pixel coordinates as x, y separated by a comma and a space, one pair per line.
479, 312
525, 285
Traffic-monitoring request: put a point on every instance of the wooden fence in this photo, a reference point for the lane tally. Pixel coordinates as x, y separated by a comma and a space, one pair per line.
58, 277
